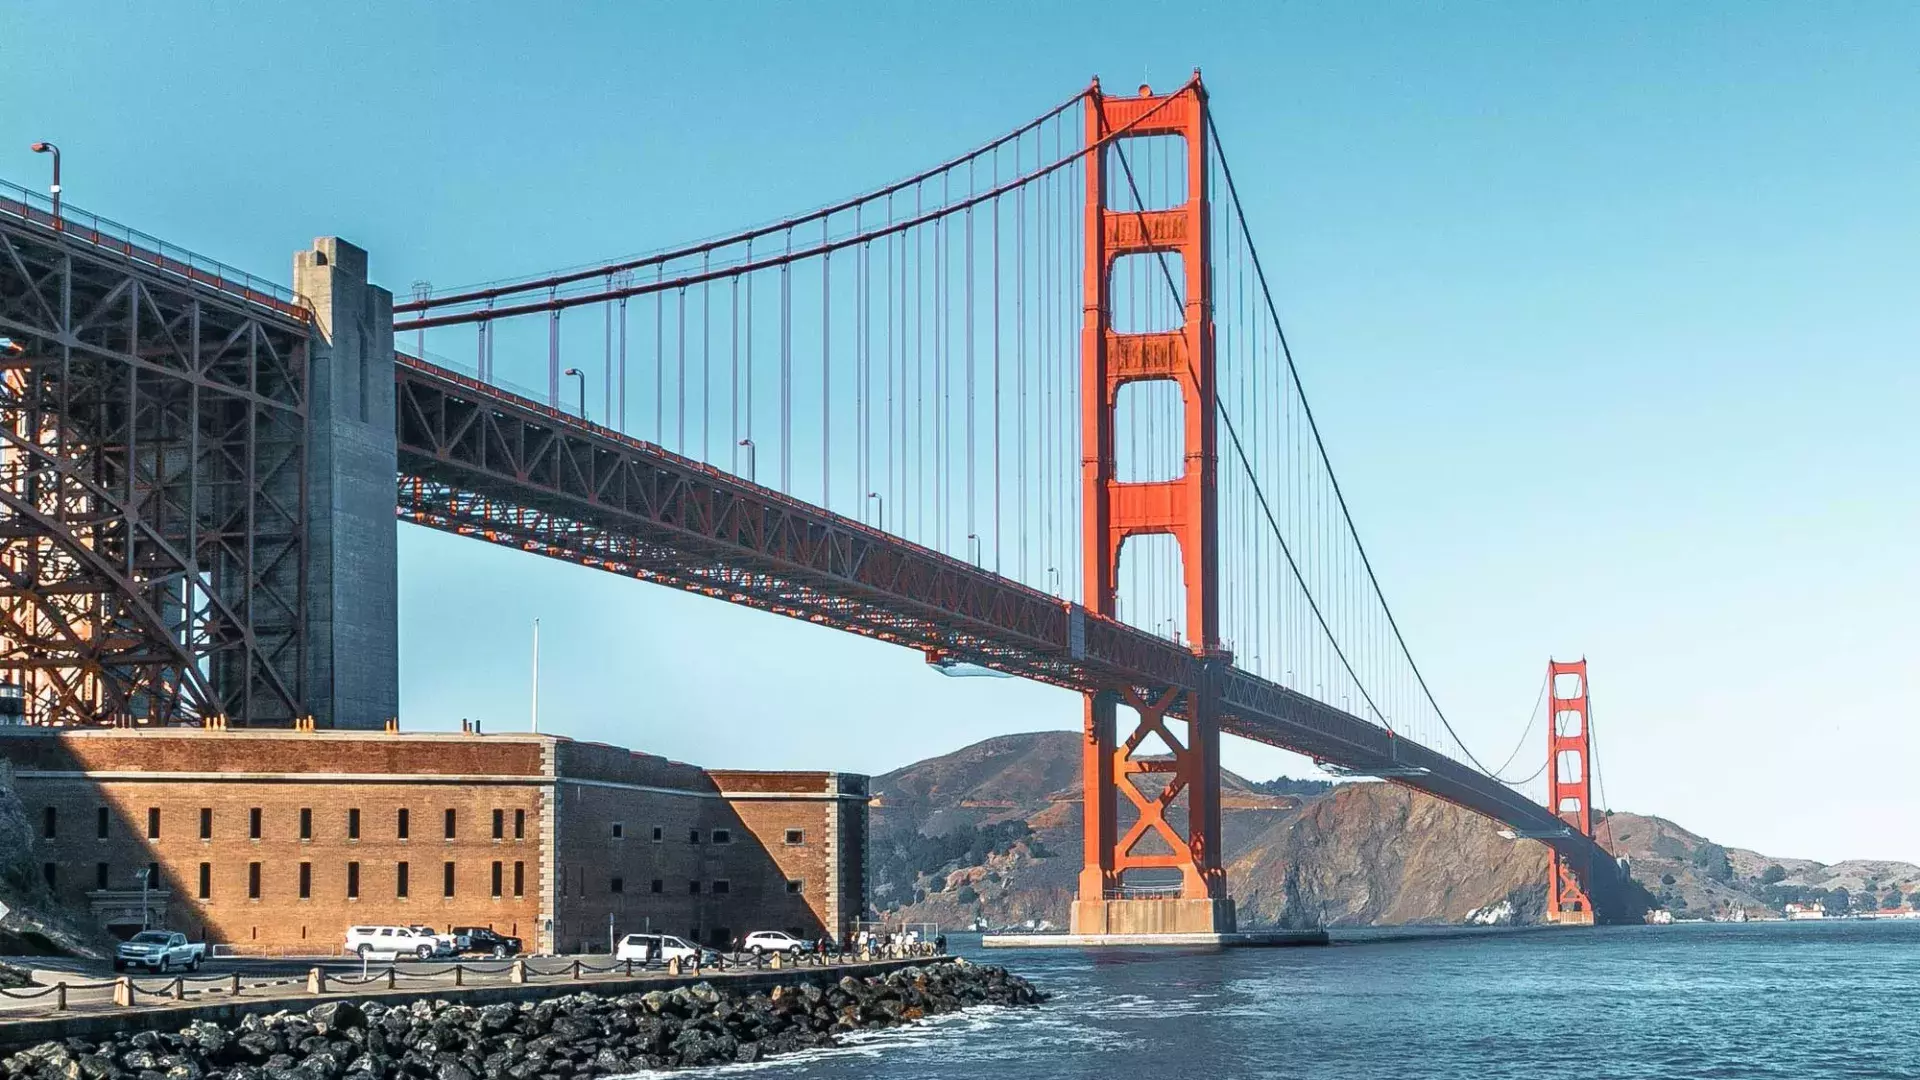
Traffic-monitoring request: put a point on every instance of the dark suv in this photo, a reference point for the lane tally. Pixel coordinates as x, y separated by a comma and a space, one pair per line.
480, 939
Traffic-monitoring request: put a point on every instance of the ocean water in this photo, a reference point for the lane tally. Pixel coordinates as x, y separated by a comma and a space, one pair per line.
1830, 999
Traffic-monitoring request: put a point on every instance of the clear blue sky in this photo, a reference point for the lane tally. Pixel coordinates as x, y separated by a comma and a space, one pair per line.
1610, 313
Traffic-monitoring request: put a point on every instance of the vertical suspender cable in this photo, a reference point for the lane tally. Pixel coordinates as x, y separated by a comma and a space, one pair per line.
973, 528
749, 424
706, 364
996, 366
826, 373
659, 359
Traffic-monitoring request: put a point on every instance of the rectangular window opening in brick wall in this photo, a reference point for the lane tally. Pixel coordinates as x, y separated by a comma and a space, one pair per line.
253, 881
206, 881
400, 881
49, 823
446, 883
693, 836
306, 881
253, 824
723, 836
796, 836
722, 887
498, 870
51, 871
519, 824
619, 828
206, 823
693, 887
306, 823
499, 824
659, 885
153, 875
659, 834
617, 885
153, 823
101, 817
796, 887
400, 824
353, 823
519, 878
452, 823
353, 881
101, 873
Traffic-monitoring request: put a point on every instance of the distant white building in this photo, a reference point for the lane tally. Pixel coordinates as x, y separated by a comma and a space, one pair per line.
1815, 910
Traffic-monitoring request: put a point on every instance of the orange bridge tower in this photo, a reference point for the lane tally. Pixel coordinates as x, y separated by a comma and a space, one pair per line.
1143, 872
1569, 793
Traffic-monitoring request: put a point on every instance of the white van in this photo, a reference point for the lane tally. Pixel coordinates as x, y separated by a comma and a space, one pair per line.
657, 949
392, 942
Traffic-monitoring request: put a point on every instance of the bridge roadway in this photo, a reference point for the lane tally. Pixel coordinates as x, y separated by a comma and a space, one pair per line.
479, 461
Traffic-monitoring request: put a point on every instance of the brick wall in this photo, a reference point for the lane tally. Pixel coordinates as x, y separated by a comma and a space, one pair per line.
716, 843
214, 783
681, 829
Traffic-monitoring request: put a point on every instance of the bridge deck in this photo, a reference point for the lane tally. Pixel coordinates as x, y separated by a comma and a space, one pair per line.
479, 461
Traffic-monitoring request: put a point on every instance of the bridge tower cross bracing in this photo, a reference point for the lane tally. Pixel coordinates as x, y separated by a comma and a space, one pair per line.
1184, 507
1569, 771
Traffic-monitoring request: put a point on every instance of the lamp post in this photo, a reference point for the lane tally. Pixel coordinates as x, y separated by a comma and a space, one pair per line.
881, 504
1054, 578
535, 719
973, 546
582, 376
752, 470
421, 291
49, 148
145, 877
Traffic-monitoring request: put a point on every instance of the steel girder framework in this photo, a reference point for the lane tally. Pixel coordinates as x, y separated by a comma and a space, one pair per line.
478, 461
152, 503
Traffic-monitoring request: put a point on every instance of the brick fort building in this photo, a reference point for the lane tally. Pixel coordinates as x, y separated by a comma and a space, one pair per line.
272, 842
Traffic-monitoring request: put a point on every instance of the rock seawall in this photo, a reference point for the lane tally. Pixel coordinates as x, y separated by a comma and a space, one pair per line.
575, 1037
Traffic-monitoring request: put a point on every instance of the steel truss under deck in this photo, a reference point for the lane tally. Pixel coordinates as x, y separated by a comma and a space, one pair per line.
153, 525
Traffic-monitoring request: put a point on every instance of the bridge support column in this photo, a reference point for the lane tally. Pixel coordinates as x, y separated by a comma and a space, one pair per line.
1569, 768
1154, 873
353, 629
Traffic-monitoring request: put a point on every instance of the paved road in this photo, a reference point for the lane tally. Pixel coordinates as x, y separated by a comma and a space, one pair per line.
90, 982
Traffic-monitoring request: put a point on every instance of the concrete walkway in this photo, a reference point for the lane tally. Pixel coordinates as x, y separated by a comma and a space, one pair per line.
35, 1014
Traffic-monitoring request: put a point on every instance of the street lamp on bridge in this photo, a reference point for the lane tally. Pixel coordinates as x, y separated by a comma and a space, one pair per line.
880, 505
582, 376
49, 148
751, 470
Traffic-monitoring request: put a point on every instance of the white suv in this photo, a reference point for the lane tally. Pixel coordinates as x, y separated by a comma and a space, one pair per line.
774, 941
392, 942
650, 948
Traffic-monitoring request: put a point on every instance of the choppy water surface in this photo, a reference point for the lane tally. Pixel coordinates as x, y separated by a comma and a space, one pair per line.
1838, 999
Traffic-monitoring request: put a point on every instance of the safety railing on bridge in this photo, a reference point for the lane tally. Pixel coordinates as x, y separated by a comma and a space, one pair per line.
125, 242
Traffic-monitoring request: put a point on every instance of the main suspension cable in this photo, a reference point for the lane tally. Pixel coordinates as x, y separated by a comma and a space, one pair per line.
1313, 426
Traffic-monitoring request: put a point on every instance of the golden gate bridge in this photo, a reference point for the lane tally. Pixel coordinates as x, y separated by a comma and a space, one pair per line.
1031, 410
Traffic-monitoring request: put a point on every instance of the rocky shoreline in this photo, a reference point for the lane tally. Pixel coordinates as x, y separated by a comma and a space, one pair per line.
575, 1037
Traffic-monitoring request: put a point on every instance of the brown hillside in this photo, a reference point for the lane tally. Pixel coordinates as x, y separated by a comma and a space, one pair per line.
1365, 853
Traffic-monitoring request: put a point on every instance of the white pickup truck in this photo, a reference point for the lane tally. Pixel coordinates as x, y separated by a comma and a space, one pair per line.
159, 950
